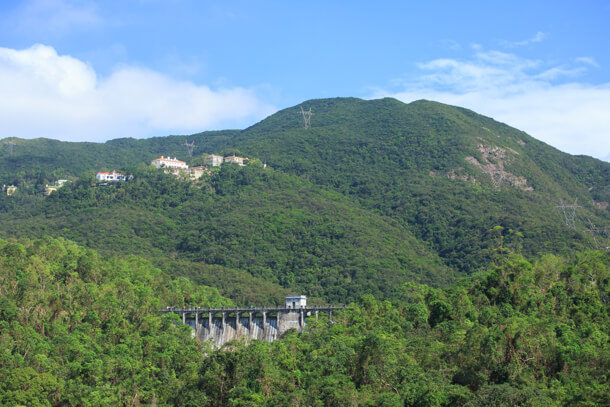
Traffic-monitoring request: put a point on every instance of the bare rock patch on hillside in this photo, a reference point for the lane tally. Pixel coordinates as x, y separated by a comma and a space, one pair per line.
494, 158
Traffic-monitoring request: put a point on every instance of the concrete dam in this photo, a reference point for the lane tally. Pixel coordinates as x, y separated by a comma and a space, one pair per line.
222, 325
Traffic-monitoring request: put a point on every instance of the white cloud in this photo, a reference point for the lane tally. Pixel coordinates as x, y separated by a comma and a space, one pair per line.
569, 115
57, 96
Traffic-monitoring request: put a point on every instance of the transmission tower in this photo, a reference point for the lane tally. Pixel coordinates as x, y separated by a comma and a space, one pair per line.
569, 213
189, 147
306, 117
10, 145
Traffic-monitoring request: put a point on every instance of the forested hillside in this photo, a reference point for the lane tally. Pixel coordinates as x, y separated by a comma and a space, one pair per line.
281, 230
446, 173
78, 329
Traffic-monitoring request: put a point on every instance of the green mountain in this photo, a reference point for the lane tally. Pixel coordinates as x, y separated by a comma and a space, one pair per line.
375, 193
446, 173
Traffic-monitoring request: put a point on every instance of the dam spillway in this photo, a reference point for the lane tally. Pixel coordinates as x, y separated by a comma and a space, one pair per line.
222, 325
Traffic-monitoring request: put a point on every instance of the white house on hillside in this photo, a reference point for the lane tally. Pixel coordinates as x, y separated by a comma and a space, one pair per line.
166, 162
235, 159
110, 176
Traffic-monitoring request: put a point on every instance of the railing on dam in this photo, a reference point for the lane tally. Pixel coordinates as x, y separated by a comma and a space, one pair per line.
201, 310
224, 324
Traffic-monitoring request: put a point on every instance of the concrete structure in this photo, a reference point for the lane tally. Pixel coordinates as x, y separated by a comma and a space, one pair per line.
110, 176
213, 160
222, 325
10, 190
197, 172
296, 301
233, 159
166, 162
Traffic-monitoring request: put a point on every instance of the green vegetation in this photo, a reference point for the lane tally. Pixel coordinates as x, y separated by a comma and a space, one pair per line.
76, 329
280, 229
80, 330
414, 163
407, 162
438, 225
520, 333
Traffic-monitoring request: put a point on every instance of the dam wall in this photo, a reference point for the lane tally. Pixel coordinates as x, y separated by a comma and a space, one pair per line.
222, 325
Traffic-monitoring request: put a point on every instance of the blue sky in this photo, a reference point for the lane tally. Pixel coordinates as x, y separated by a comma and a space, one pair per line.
97, 70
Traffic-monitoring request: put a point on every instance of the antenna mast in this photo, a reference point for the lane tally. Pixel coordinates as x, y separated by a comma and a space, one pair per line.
569, 213
189, 147
306, 117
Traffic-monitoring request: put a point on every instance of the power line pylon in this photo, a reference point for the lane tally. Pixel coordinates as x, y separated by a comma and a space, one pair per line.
306, 117
569, 213
189, 147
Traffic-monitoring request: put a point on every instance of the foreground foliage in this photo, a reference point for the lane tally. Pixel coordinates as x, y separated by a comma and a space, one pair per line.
76, 329
518, 334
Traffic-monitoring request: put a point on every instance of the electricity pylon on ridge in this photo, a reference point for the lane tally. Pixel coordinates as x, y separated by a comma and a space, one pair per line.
189, 147
306, 117
569, 213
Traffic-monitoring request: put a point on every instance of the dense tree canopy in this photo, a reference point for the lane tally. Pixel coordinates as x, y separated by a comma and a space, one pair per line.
281, 230
77, 329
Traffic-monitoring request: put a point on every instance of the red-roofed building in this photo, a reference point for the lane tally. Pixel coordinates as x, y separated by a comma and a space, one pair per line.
166, 162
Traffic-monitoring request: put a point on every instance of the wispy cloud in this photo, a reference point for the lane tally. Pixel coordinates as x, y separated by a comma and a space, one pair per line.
49, 95
538, 37
588, 61
545, 101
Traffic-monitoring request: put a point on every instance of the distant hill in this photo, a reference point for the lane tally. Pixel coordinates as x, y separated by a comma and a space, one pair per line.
375, 193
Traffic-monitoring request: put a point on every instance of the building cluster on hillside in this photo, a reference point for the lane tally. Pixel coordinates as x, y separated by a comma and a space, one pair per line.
176, 166
214, 160
210, 160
